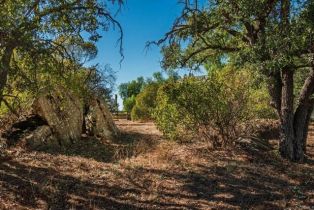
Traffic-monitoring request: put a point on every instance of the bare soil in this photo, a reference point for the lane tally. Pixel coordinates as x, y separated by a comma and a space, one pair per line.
143, 171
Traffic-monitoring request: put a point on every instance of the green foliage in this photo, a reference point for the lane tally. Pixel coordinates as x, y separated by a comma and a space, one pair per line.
212, 107
167, 115
140, 113
268, 35
158, 77
84, 82
248, 31
129, 103
129, 90
16, 102
50, 49
132, 88
259, 103
145, 93
145, 102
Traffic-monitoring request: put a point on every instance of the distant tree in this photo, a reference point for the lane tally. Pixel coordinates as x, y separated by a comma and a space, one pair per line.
132, 88
158, 77
128, 104
274, 36
116, 104
123, 90
129, 90
137, 92
173, 75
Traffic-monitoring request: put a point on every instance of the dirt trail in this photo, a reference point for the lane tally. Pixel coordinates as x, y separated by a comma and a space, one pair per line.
159, 175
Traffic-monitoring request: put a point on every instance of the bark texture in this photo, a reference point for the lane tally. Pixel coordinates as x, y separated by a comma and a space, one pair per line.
294, 121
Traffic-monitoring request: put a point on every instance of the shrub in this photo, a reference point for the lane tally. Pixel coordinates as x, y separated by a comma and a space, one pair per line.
210, 107
139, 113
145, 103
167, 116
129, 103
260, 104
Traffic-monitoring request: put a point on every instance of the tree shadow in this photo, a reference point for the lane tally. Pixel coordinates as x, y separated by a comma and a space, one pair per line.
240, 185
33, 186
218, 187
45, 188
128, 144
19, 129
264, 182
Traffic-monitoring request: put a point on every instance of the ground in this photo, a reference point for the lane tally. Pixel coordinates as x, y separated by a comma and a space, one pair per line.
143, 171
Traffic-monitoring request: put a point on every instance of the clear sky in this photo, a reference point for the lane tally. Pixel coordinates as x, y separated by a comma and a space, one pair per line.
142, 21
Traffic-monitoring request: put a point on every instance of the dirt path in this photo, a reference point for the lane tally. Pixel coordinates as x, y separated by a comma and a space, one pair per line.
159, 175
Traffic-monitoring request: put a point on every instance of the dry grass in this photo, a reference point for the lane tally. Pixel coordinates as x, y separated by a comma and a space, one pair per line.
142, 171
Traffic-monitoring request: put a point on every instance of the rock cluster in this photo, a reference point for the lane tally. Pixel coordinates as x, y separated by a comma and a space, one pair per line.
65, 119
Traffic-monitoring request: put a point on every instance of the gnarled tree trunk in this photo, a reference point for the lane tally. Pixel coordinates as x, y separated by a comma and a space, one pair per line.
294, 122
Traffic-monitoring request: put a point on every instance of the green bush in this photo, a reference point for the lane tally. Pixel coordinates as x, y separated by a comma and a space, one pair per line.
129, 103
139, 113
211, 107
167, 116
145, 103
260, 104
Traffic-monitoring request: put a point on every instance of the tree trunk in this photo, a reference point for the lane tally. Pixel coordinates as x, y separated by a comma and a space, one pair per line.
301, 124
287, 138
303, 115
294, 125
306, 130
275, 91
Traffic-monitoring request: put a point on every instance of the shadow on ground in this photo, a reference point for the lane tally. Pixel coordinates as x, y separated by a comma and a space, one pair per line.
129, 144
146, 188
219, 180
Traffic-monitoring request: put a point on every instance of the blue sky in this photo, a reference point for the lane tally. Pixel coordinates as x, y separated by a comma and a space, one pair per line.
142, 21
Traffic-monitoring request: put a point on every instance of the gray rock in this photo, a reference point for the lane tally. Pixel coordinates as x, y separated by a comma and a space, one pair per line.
42, 137
99, 122
63, 112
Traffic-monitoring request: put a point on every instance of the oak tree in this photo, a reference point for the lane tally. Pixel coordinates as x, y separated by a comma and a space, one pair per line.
274, 36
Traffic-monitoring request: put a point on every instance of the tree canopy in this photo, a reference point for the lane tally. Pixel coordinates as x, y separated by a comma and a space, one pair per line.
273, 36
49, 36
